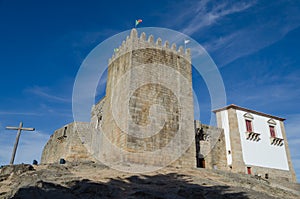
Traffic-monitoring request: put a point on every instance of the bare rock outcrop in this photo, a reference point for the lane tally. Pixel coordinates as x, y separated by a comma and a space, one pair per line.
94, 180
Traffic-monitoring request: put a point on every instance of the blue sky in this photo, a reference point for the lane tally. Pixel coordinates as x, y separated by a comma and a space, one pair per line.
255, 45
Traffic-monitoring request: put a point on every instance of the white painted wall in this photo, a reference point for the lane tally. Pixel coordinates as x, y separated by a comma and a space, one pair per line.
225, 126
261, 153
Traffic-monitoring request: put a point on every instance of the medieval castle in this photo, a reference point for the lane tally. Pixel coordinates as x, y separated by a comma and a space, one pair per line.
147, 118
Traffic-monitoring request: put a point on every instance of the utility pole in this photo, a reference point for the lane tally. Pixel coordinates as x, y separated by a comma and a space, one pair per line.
20, 128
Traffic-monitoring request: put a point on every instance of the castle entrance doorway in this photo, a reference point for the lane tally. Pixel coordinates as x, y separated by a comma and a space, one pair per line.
200, 162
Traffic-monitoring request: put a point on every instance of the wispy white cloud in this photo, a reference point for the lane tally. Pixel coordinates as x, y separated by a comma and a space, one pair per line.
45, 93
265, 100
222, 42
274, 89
245, 42
55, 111
205, 13
236, 40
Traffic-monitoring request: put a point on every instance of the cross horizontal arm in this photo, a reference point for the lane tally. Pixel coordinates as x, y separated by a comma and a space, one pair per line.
17, 128
12, 128
28, 129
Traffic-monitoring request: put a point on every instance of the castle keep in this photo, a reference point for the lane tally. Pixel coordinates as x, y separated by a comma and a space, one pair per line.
146, 119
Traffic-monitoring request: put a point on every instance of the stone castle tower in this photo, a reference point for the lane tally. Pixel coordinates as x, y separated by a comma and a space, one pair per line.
148, 108
147, 114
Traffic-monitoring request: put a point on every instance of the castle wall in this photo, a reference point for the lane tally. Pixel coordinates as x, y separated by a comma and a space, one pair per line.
66, 143
210, 145
97, 114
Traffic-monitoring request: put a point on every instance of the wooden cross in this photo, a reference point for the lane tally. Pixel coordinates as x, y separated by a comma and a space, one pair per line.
20, 128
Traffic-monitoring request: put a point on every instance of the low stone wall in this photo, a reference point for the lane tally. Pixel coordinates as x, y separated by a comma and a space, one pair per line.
272, 174
210, 145
66, 143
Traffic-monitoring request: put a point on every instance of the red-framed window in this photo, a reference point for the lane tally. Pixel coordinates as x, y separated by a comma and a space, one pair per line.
249, 125
272, 131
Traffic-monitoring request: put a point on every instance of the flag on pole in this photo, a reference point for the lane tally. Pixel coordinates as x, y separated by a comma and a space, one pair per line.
137, 22
186, 41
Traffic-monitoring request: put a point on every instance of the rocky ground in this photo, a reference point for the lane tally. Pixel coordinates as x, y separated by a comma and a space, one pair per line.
92, 180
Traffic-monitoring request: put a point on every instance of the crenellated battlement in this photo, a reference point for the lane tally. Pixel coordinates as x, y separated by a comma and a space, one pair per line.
133, 42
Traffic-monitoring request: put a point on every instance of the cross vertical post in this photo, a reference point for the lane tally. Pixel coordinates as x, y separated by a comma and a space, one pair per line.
20, 128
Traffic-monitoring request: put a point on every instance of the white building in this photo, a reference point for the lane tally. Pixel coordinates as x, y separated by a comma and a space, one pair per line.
256, 143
